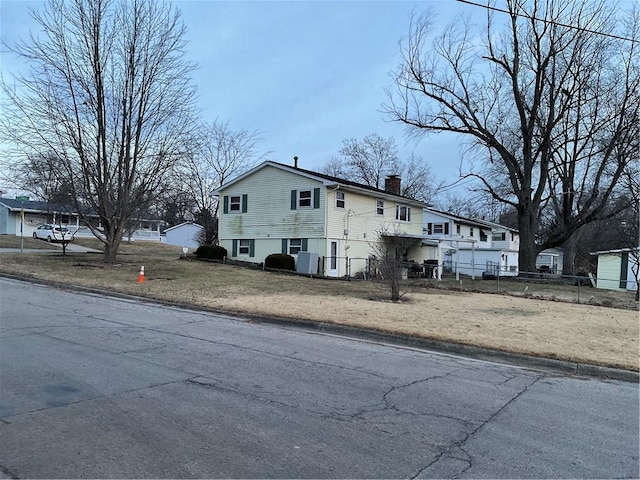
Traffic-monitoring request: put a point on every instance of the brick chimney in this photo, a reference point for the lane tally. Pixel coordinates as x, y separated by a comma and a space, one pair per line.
392, 184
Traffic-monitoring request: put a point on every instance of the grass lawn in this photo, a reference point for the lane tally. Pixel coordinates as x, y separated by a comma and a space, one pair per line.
522, 323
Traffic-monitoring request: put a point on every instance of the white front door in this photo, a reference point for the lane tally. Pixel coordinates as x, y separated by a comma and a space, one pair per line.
332, 259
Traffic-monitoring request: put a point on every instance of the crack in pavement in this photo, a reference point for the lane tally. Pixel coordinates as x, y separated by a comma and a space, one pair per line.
459, 444
211, 384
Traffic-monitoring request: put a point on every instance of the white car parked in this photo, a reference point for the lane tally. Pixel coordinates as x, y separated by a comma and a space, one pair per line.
52, 233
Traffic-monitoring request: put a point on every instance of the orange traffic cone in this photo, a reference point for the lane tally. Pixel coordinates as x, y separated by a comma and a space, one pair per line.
141, 275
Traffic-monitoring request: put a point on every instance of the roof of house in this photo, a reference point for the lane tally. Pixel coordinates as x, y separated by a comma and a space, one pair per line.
34, 205
472, 221
182, 225
617, 250
328, 180
495, 225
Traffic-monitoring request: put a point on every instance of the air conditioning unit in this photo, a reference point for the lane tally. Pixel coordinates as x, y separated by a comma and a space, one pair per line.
307, 263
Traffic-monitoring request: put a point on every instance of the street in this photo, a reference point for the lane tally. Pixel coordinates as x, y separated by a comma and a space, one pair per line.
101, 387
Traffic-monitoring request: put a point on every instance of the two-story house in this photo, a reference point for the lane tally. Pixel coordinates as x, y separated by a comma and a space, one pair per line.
278, 208
470, 246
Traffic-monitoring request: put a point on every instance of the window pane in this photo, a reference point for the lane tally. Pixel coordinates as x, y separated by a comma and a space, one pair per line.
380, 207
243, 247
295, 246
403, 213
234, 204
340, 199
304, 198
334, 255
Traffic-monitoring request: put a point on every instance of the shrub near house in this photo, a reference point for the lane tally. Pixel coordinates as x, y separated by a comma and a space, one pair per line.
213, 252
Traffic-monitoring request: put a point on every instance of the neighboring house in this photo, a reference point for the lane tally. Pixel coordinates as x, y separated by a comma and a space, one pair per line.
471, 246
550, 261
617, 269
278, 208
186, 234
22, 217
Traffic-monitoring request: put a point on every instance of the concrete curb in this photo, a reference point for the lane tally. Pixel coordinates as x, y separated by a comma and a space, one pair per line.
561, 367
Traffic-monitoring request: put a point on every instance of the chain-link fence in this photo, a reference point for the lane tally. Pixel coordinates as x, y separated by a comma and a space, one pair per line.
544, 283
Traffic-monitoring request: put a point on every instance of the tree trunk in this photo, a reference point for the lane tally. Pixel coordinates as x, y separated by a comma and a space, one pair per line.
113, 237
528, 250
570, 248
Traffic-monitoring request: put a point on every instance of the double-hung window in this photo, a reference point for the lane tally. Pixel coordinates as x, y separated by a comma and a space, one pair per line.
294, 246
379, 206
243, 247
438, 228
235, 204
403, 213
304, 199
340, 200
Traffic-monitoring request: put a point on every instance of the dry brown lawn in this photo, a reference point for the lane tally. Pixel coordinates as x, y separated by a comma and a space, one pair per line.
569, 331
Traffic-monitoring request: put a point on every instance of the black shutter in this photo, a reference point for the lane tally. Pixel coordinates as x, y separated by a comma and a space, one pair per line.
294, 200
316, 198
244, 203
225, 204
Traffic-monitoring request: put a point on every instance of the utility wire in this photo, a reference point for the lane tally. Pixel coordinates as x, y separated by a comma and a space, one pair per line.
501, 10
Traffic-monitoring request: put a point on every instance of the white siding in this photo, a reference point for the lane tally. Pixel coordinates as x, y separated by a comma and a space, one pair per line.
609, 271
185, 235
269, 213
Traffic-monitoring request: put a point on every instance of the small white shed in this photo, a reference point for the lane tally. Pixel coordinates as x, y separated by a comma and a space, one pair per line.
184, 235
616, 269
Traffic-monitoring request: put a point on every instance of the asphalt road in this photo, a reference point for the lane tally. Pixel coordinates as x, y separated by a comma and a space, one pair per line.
99, 387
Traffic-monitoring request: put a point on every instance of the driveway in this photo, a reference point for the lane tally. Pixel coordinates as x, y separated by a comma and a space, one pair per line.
52, 247
93, 386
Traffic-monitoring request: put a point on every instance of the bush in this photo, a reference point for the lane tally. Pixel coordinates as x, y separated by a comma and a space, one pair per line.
281, 261
215, 252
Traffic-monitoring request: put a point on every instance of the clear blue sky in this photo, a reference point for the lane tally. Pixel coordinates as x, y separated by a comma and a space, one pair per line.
308, 74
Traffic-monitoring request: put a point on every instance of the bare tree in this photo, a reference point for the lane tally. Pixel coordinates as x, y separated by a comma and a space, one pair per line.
221, 155
550, 105
389, 252
472, 204
108, 101
370, 160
